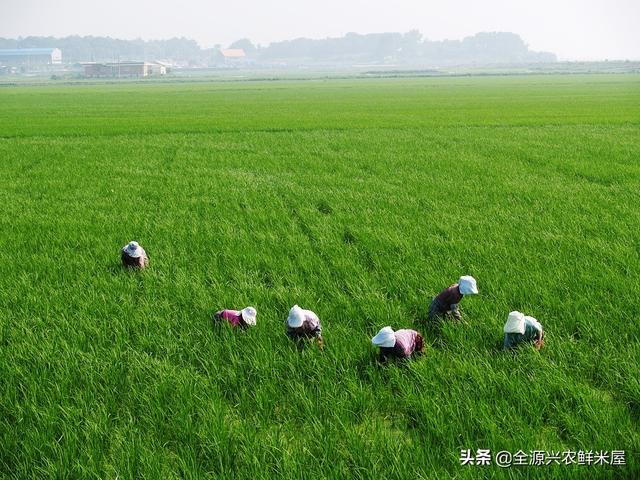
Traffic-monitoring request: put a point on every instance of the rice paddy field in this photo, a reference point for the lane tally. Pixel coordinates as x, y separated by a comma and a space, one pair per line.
359, 199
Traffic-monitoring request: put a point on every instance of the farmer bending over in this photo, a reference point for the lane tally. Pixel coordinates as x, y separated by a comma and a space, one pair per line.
401, 344
304, 324
521, 329
133, 255
238, 318
446, 302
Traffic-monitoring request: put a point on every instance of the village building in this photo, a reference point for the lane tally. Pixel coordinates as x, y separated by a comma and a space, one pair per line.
30, 58
124, 69
233, 56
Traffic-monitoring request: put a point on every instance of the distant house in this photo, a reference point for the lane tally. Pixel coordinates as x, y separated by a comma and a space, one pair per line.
124, 69
233, 56
30, 57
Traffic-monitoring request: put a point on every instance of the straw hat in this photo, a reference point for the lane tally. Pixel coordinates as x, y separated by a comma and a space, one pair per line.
133, 249
296, 317
515, 323
385, 338
249, 315
467, 285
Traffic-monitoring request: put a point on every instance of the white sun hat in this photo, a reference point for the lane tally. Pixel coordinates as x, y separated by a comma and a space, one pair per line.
133, 249
249, 315
515, 323
385, 338
468, 285
296, 317
533, 322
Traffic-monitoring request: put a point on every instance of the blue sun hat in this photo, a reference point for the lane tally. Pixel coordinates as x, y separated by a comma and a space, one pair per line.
296, 317
385, 338
249, 315
133, 250
468, 285
515, 323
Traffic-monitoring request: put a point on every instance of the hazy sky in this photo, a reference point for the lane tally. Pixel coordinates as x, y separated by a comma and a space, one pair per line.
573, 29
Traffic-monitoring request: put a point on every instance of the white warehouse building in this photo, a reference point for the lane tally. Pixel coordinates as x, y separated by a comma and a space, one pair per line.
30, 57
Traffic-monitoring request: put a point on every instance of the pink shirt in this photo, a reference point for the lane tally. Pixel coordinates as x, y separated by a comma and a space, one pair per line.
311, 321
232, 316
406, 341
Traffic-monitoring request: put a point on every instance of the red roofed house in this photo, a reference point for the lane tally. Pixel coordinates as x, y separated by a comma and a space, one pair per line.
233, 56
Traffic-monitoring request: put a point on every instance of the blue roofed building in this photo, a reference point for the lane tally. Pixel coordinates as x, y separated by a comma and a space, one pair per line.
30, 57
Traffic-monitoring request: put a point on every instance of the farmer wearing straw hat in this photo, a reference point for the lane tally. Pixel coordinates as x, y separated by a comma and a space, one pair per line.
304, 324
238, 318
133, 255
446, 302
401, 344
520, 329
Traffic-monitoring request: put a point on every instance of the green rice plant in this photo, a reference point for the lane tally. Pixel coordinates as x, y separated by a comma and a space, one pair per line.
358, 199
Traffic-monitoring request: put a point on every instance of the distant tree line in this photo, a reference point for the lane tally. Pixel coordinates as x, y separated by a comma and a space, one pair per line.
404, 48
410, 47
106, 49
